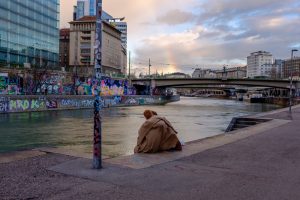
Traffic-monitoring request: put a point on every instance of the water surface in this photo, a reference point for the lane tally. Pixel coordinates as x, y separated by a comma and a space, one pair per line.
194, 118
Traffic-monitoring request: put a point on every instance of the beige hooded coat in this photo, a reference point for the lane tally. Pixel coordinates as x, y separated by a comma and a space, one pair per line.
156, 134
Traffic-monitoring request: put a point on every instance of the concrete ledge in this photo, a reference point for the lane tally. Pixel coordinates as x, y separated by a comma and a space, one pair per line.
81, 167
140, 161
19, 155
67, 152
281, 110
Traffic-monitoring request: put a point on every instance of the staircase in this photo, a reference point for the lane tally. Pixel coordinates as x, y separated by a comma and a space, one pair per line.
241, 122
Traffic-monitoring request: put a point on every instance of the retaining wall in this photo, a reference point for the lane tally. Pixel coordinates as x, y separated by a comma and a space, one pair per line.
11, 104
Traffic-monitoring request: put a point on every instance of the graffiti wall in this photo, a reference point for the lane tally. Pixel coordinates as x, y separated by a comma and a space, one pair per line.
4, 104
108, 87
58, 84
3, 84
9, 85
10, 104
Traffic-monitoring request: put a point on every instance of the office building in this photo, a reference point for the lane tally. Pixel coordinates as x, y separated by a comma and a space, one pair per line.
259, 64
291, 67
121, 26
88, 8
29, 33
277, 69
82, 39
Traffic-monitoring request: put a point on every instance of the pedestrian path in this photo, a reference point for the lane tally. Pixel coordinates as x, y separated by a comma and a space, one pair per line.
259, 162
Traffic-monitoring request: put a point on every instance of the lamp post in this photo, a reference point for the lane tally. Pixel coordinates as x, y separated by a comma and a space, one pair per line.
129, 66
224, 72
291, 80
150, 88
97, 150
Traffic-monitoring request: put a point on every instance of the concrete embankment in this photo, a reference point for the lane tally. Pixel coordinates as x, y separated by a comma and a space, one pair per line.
18, 103
258, 162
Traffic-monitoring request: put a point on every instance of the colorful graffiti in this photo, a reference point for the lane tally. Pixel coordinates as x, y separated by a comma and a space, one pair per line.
9, 85
13, 104
110, 87
131, 101
26, 105
50, 83
51, 104
4, 105
77, 103
3, 84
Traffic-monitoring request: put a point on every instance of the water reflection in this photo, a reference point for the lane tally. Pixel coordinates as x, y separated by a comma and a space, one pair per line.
194, 118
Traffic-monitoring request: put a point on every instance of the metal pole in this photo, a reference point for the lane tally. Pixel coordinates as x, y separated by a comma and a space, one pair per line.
150, 91
149, 66
97, 151
290, 96
291, 82
129, 66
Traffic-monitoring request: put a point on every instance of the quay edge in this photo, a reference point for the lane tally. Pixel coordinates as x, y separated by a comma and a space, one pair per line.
36, 103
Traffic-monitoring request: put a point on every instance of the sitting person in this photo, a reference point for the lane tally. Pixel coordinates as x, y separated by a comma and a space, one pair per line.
156, 134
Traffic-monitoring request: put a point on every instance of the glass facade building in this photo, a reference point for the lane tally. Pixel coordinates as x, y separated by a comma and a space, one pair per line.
92, 7
29, 33
80, 9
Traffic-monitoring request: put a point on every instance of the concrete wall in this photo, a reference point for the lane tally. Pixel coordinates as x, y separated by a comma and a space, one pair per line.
11, 104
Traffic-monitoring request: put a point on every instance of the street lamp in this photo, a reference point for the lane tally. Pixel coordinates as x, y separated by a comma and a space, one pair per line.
224, 72
291, 80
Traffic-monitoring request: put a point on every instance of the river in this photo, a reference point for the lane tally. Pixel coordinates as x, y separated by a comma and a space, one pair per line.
194, 118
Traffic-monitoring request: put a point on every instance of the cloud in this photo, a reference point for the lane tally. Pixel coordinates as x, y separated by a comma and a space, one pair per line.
175, 17
187, 33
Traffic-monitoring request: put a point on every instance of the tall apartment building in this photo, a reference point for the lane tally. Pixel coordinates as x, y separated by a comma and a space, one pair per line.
259, 64
88, 8
29, 33
64, 47
82, 39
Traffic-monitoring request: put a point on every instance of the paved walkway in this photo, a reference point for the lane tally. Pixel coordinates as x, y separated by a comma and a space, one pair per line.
261, 162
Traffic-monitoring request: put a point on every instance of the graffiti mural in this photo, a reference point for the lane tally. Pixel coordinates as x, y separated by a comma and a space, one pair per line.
87, 103
4, 104
51, 104
43, 102
131, 101
69, 103
110, 87
3, 84
13, 89
45, 82
26, 105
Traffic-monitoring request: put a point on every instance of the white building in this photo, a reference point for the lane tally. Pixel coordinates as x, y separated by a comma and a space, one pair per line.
259, 64
203, 73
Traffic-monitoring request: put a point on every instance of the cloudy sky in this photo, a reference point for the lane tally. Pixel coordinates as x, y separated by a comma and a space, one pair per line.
179, 35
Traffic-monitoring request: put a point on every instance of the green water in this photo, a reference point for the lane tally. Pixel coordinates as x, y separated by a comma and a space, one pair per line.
194, 118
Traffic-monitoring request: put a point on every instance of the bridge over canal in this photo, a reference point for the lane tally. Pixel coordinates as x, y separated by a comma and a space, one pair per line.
284, 84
